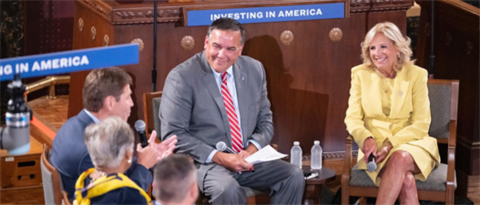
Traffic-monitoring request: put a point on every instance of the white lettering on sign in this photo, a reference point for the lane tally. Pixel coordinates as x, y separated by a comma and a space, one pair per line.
57, 63
237, 16
300, 12
21, 67
6, 70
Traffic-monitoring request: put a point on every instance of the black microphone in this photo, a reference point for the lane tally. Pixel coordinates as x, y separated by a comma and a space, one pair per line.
140, 127
371, 166
221, 146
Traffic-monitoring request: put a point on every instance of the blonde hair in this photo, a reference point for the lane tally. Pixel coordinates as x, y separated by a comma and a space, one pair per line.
401, 43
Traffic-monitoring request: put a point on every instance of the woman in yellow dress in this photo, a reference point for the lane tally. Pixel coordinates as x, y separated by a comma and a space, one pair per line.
388, 115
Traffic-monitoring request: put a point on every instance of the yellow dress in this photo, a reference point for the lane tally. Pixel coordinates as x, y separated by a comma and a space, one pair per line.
397, 110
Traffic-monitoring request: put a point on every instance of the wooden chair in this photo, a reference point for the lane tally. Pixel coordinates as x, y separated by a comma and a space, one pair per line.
52, 183
65, 198
441, 183
151, 104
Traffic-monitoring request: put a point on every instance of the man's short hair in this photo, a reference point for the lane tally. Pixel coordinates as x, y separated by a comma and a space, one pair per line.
227, 24
101, 83
174, 177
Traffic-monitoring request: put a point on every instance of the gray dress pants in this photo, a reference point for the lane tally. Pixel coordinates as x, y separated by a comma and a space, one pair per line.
281, 180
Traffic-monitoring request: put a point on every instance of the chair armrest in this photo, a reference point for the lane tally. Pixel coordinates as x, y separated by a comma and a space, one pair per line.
348, 154
65, 199
347, 164
451, 152
347, 169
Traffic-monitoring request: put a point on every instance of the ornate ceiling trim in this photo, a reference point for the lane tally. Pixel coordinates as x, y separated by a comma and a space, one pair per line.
98, 7
359, 6
143, 14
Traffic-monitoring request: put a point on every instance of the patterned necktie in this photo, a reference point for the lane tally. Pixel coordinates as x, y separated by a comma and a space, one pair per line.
237, 144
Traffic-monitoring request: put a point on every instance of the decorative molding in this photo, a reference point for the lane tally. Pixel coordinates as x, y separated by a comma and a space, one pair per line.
187, 43
80, 24
338, 155
139, 16
357, 6
93, 33
335, 34
99, 7
140, 43
148, 14
467, 143
287, 37
360, 6
333, 155
106, 40
143, 13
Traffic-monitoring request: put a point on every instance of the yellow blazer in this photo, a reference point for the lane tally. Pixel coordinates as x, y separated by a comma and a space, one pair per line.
409, 119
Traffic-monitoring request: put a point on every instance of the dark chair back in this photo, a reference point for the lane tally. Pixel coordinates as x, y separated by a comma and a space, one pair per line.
443, 95
151, 105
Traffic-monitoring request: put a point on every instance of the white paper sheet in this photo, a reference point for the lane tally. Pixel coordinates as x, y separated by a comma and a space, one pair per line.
265, 154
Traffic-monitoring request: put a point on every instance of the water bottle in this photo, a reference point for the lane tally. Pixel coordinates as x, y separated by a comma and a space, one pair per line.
296, 154
316, 159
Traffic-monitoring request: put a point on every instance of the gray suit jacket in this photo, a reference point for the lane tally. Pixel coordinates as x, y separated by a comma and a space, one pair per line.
192, 106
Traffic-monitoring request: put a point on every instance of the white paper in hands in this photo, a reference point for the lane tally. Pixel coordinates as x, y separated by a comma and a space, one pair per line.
264, 155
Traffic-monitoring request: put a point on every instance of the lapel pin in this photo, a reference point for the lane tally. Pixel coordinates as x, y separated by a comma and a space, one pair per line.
400, 93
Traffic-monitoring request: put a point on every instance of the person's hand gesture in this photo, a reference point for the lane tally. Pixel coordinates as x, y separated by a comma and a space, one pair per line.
369, 147
164, 148
146, 156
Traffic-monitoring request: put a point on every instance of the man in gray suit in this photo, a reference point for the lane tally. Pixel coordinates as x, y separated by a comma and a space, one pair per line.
219, 95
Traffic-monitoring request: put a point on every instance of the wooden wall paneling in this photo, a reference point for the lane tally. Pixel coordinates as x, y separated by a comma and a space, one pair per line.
169, 54
305, 91
455, 30
456, 53
82, 38
423, 41
468, 185
398, 18
299, 108
48, 26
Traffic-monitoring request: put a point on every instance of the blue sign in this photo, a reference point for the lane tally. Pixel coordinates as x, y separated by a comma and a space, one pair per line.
69, 61
268, 14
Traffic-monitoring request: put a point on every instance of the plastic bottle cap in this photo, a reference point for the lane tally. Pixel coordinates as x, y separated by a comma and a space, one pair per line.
316, 142
296, 143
